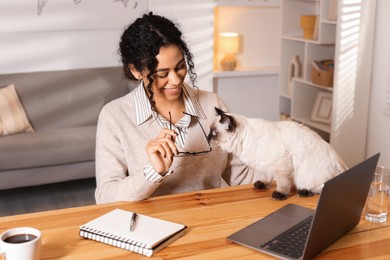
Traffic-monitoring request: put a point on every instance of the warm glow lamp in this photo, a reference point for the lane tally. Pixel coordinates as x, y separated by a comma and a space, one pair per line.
229, 45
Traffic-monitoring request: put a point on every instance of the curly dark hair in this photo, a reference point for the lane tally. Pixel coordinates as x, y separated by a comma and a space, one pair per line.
141, 42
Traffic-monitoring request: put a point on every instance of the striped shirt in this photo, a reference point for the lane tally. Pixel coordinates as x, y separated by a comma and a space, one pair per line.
144, 111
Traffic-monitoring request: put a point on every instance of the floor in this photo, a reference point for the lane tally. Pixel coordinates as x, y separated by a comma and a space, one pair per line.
47, 197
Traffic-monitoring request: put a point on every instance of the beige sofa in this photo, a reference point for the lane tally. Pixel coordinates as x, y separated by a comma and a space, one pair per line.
63, 108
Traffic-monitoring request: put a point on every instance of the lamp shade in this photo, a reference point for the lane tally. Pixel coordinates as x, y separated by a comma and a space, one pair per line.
228, 42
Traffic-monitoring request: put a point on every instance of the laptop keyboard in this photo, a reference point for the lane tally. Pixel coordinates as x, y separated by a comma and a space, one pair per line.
291, 242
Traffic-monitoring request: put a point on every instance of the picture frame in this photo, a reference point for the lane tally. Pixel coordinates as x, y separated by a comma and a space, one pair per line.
322, 109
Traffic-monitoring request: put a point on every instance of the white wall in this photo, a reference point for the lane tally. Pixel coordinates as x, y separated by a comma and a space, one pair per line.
196, 20
378, 139
64, 35
253, 89
259, 28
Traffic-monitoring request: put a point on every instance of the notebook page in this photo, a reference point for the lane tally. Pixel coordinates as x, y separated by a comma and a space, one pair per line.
148, 231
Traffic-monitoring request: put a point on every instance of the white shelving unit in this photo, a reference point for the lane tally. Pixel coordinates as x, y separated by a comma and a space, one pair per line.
249, 91
347, 129
252, 71
300, 102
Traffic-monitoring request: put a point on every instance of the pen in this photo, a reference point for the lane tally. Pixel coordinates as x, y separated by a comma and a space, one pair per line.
132, 221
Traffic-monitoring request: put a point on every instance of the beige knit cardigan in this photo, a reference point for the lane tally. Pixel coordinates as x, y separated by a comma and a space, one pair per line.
121, 156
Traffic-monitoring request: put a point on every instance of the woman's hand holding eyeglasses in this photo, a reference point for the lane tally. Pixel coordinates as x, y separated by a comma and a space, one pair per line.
160, 150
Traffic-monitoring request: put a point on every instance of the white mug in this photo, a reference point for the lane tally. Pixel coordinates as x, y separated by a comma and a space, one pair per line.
20, 243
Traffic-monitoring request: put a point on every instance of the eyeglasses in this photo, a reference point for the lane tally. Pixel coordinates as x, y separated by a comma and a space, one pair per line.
184, 154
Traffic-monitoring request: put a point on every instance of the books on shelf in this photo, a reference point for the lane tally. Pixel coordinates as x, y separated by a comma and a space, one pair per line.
148, 236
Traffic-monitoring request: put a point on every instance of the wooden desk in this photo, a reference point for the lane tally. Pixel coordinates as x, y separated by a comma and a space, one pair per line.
210, 216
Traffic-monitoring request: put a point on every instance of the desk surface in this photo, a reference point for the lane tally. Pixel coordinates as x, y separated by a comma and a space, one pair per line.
210, 215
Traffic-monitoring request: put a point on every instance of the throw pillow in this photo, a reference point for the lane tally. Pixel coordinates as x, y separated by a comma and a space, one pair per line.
13, 118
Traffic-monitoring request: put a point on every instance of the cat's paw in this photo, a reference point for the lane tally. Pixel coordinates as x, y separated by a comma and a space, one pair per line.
260, 185
279, 196
304, 193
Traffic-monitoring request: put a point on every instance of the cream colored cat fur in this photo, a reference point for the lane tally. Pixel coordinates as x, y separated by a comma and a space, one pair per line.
287, 152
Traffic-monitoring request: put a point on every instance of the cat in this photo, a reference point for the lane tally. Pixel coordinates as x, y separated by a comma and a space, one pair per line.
286, 152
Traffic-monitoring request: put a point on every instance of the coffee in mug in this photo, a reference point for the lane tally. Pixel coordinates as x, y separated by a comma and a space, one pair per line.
20, 243
22, 238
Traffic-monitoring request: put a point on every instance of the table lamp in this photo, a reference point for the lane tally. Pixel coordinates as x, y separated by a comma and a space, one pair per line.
229, 44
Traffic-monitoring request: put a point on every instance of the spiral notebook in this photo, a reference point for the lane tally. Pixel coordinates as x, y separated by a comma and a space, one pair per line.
149, 236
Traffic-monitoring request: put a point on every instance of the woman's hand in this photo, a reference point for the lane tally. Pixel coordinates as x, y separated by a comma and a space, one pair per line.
161, 150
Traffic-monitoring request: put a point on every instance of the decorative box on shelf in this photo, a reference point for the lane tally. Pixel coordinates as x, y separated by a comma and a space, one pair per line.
322, 72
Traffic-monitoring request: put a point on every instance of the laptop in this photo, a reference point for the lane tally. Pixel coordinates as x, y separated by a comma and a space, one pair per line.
339, 209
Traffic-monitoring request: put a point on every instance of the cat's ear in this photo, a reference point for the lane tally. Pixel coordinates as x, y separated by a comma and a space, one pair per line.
226, 120
229, 122
219, 111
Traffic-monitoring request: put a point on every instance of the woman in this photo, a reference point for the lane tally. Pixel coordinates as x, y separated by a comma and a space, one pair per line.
151, 141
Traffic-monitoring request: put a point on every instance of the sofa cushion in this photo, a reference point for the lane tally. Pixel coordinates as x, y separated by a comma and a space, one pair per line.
47, 148
13, 118
69, 98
